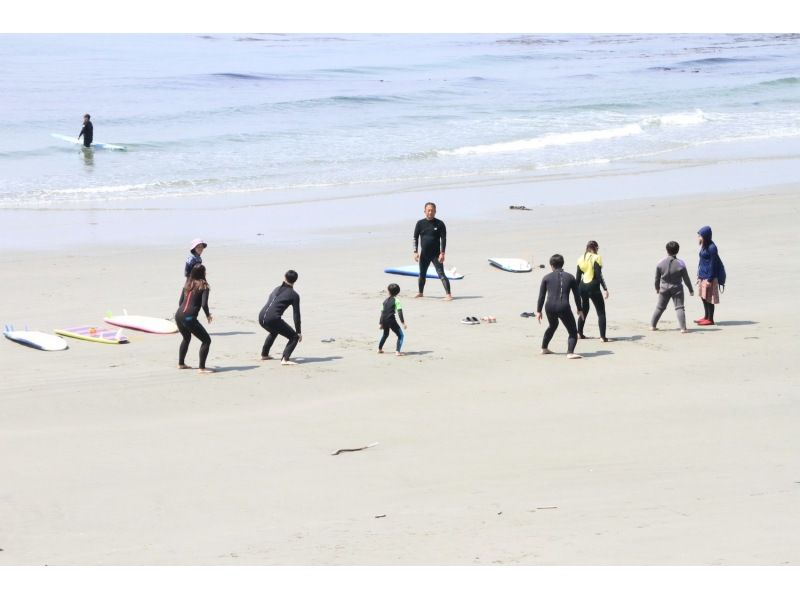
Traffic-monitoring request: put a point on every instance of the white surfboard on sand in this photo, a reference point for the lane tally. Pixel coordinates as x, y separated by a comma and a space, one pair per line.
413, 270
143, 323
76, 141
35, 339
510, 264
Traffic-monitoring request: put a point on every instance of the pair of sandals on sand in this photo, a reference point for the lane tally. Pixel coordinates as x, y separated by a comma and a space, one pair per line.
474, 320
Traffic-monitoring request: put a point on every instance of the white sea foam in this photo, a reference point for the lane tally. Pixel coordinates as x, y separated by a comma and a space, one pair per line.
550, 139
678, 118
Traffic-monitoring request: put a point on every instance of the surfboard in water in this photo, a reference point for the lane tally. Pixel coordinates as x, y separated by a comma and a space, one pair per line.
76, 141
413, 270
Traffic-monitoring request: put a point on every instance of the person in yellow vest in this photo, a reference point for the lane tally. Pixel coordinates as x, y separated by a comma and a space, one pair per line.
590, 281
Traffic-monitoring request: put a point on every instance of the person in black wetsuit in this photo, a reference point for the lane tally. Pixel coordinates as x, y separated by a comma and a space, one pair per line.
87, 132
590, 280
557, 287
433, 236
270, 318
388, 320
194, 298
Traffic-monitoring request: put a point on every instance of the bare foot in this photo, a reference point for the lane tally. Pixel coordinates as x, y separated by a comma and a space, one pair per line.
183, 366
581, 336
288, 362
266, 358
399, 353
574, 356
606, 340
684, 330
380, 350
447, 298
653, 328
418, 295
206, 371
546, 352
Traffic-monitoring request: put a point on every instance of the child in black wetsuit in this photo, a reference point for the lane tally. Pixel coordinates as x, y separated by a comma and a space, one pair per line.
557, 287
388, 321
194, 298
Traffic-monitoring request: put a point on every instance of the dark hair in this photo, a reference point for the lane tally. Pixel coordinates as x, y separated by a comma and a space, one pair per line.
86, 116
430, 203
291, 276
196, 278
394, 289
557, 261
673, 248
593, 246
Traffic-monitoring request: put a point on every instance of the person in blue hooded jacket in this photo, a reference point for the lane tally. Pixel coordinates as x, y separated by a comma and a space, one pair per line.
710, 275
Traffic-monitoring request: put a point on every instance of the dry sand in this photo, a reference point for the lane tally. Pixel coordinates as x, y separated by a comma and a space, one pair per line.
658, 448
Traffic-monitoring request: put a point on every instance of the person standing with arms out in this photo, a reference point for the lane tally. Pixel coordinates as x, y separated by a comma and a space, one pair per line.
556, 287
194, 298
710, 275
590, 280
270, 318
671, 275
87, 132
388, 321
430, 241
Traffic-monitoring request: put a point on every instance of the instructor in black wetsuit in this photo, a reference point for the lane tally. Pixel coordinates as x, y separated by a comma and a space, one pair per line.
87, 132
557, 287
270, 318
433, 234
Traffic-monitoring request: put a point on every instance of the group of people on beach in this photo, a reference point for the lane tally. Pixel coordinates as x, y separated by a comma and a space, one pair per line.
587, 287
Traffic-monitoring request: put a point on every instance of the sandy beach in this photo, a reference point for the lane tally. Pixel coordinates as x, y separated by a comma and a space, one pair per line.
657, 448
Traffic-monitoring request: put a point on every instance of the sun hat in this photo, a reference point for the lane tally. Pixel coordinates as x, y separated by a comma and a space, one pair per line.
196, 242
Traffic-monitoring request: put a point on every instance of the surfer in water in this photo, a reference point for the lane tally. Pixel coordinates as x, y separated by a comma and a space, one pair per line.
194, 298
87, 132
433, 236
270, 318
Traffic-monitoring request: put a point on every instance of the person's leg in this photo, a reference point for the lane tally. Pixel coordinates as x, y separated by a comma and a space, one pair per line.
400, 336
583, 294
271, 336
552, 324
384, 336
439, 267
200, 332
600, 308
569, 323
424, 262
710, 316
284, 329
661, 305
680, 309
184, 348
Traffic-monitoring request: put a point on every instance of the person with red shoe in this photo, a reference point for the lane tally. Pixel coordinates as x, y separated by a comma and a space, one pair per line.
710, 275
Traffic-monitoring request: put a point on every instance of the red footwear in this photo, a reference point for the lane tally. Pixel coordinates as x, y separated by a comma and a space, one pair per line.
698, 320
705, 322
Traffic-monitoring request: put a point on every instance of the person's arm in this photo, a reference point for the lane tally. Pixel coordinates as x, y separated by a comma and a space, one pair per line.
83, 128
658, 279
399, 308
686, 281
598, 272
204, 304
296, 312
578, 273
416, 238
575, 295
443, 237
542, 293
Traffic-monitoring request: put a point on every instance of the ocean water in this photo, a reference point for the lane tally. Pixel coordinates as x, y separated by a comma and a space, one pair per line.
265, 114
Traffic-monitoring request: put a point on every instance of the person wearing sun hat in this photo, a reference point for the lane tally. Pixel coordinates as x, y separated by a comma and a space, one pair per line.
195, 251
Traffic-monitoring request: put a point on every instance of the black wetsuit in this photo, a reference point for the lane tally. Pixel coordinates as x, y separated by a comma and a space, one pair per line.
88, 134
557, 286
188, 324
388, 322
270, 319
431, 236
591, 291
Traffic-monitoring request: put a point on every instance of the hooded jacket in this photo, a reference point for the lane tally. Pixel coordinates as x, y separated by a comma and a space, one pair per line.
709, 265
